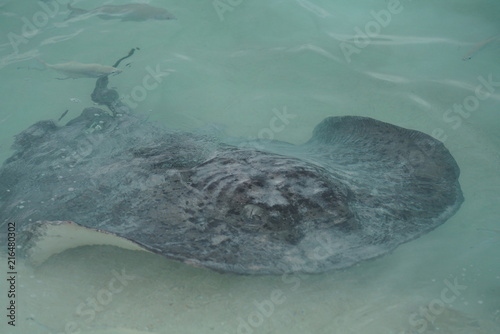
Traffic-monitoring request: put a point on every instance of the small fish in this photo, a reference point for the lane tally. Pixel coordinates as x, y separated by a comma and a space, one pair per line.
74, 69
63, 114
479, 46
130, 12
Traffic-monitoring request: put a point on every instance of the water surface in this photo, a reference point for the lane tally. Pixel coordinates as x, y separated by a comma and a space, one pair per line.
232, 66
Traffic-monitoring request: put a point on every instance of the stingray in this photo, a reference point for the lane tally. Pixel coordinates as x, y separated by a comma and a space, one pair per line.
355, 191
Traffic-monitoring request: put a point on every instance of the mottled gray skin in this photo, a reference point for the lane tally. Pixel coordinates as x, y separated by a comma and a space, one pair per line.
357, 189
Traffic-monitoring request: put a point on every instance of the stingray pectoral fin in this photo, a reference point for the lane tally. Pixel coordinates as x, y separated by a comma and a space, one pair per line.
47, 238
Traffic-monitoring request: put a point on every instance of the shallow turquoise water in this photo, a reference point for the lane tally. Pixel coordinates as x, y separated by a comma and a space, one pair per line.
231, 68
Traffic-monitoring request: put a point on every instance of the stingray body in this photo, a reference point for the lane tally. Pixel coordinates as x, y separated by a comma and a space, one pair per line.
129, 12
356, 190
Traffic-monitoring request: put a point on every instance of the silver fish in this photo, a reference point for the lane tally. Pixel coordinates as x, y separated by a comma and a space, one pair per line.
74, 69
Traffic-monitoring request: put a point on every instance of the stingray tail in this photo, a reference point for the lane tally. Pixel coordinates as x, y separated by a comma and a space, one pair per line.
74, 12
